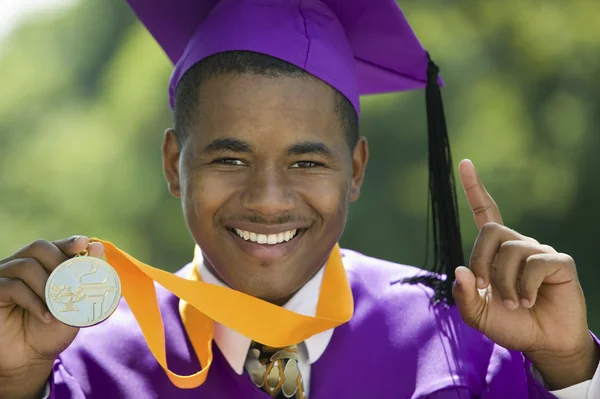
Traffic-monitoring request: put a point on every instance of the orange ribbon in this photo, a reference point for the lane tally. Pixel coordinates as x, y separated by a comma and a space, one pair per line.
233, 309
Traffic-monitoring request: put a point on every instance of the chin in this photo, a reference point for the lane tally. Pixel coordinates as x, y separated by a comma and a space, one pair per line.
272, 290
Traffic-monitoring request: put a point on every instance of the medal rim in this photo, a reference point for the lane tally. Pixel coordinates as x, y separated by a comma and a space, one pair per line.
104, 264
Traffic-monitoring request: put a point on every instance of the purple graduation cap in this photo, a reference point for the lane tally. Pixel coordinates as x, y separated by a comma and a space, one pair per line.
356, 46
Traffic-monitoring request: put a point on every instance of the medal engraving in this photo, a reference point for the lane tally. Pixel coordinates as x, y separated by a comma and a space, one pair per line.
83, 291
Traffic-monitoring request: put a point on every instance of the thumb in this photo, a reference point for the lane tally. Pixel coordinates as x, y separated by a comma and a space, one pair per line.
73, 245
471, 304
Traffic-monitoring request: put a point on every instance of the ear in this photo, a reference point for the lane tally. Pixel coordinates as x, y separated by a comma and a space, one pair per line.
171, 151
360, 157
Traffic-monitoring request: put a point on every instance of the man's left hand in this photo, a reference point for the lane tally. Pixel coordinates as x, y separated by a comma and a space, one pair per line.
523, 295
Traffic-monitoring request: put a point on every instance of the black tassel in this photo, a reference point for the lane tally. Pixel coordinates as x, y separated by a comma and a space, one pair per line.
447, 245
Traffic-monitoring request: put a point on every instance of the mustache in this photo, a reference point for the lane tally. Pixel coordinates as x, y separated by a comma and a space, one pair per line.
261, 219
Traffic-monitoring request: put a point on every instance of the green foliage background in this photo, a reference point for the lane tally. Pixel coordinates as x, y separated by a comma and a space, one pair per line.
83, 106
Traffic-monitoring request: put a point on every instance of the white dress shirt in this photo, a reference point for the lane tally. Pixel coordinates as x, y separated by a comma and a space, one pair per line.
235, 346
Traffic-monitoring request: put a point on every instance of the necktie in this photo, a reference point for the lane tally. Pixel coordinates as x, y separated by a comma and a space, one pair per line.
275, 370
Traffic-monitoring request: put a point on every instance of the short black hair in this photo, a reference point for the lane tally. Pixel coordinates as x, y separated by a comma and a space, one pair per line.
246, 62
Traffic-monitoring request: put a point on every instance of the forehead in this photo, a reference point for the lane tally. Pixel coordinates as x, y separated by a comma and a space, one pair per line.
259, 105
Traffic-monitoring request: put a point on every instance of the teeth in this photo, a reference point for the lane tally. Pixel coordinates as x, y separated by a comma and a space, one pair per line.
269, 239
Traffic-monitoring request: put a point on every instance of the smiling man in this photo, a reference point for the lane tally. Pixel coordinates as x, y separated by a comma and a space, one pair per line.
266, 157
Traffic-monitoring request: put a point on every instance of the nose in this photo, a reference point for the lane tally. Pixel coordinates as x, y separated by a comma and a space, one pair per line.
268, 191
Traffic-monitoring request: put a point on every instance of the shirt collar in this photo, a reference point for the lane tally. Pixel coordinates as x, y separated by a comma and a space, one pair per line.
235, 346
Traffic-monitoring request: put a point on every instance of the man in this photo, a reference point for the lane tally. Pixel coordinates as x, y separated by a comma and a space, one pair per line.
266, 157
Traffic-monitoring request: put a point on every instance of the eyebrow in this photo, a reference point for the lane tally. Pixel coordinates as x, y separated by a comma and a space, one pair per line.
310, 147
228, 145
240, 146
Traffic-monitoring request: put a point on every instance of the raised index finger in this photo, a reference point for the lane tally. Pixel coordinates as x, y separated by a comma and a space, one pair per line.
481, 202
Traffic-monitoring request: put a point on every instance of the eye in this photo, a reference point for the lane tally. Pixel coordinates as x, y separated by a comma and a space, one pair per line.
229, 161
306, 164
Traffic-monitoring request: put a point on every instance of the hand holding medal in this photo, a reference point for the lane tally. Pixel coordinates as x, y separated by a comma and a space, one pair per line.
30, 338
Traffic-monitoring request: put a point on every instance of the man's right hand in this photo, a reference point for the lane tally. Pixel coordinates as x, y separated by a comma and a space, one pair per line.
30, 338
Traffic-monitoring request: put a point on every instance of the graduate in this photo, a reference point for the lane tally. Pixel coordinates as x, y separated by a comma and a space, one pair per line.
266, 157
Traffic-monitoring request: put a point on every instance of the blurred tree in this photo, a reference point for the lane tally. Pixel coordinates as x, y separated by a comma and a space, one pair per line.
84, 105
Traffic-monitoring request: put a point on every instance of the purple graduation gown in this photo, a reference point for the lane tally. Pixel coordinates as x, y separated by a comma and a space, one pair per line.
396, 346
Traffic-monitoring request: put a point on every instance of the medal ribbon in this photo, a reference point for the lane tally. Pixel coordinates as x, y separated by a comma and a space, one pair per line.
202, 304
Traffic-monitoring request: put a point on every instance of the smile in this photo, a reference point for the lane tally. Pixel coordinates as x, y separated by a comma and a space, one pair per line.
267, 243
269, 239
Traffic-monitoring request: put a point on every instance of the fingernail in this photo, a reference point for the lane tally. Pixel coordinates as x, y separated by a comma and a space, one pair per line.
48, 317
509, 303
480, 282
75, 238
526, 303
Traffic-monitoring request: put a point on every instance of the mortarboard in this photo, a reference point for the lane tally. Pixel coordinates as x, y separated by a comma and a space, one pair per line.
358, 47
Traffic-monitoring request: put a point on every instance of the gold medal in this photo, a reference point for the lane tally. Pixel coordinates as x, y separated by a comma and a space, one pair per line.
83, 291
